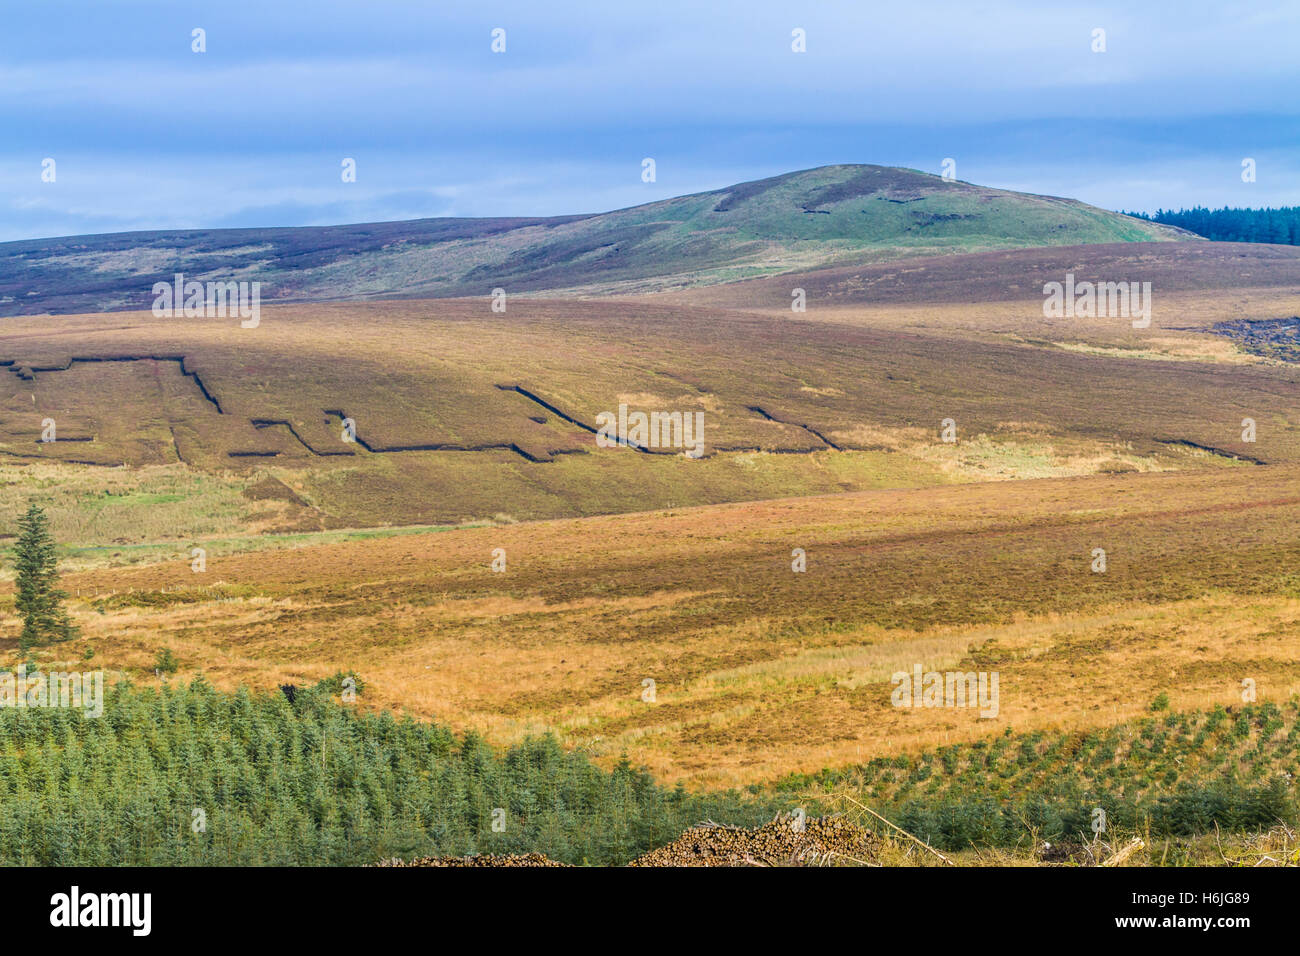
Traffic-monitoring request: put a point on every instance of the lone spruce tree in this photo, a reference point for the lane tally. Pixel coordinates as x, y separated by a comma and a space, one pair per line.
39, 601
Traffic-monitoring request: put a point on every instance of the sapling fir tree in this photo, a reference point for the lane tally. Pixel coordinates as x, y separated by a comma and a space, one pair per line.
38, 600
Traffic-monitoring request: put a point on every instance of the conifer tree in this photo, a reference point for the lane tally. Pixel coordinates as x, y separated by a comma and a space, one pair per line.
38, 599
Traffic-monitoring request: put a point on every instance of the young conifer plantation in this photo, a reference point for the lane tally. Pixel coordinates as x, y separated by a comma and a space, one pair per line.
189, 775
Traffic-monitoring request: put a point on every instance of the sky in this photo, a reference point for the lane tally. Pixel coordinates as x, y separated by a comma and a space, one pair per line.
146, 133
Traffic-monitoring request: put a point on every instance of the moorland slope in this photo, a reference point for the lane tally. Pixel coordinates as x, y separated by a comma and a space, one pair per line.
799, 220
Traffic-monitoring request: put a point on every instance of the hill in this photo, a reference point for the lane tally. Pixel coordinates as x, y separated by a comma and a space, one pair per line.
801, 220
1004, 276
481, 416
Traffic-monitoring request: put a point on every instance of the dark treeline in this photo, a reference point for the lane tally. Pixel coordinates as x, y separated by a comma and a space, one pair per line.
1279, 226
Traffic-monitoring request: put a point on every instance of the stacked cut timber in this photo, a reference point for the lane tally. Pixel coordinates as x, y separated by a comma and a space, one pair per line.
486, 859
817, 841
786, 841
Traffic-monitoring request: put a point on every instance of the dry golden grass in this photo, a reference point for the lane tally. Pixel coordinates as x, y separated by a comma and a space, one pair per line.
760, 671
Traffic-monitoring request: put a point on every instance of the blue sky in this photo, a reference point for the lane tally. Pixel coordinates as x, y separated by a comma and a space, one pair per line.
147, 134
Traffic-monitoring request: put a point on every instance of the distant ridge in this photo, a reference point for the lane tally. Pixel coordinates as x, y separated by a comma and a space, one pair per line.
832, 215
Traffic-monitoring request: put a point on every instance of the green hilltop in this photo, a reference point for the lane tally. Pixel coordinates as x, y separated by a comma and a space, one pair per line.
814, 218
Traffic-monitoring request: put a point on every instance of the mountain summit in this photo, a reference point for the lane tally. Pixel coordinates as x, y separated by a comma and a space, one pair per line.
826, 216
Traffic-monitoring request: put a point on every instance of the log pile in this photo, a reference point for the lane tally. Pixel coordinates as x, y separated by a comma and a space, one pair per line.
786, 841
483, 859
